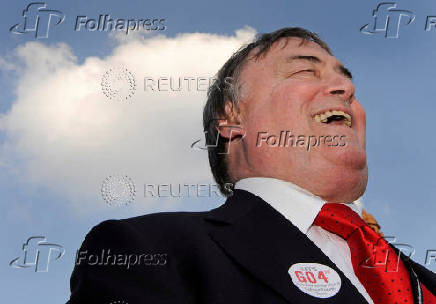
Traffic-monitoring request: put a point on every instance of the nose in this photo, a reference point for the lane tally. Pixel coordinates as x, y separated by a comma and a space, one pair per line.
342, 87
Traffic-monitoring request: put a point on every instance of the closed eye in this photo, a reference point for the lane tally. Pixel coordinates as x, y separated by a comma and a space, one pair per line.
305, 72
311, 71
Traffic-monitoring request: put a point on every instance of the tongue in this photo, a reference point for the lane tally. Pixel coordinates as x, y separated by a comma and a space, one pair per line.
337, 122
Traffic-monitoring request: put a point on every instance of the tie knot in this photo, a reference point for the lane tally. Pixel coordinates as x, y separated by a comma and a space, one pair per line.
339, 219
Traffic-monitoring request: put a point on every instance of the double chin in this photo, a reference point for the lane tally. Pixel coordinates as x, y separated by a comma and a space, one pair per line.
342, 184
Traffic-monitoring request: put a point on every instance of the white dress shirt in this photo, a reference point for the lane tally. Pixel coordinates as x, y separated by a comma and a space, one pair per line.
301, 207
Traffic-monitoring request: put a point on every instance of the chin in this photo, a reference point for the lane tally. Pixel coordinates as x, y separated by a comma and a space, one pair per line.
352, 156
344, 175
345, 185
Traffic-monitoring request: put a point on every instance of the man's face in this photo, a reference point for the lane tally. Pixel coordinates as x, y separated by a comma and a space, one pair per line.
290, 89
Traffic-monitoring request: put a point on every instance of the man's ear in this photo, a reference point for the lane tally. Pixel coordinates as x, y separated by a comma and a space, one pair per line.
230, 127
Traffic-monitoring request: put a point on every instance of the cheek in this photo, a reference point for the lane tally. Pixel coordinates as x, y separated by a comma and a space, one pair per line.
284, 108
359, 111
291, 104
360, 117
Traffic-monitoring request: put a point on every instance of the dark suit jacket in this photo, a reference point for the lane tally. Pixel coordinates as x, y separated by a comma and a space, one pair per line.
237, 253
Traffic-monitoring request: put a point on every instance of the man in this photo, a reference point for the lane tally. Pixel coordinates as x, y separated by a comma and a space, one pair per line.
291, 138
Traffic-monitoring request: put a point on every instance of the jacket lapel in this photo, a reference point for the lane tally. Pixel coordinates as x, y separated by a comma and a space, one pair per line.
427, 277
261, 240
423, 275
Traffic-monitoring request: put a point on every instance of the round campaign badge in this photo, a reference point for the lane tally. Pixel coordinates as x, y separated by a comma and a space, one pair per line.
315, 279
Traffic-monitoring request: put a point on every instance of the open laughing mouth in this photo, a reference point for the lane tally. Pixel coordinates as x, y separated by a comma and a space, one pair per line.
333, 116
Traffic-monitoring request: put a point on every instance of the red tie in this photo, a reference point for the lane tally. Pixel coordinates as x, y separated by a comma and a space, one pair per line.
427, 296
375, 263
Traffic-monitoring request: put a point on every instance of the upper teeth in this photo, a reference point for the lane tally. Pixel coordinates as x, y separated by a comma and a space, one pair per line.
323, 117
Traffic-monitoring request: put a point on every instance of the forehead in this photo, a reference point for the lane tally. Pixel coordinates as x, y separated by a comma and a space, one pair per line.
285, 48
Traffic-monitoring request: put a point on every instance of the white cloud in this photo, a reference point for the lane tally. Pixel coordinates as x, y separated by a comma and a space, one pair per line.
65, 136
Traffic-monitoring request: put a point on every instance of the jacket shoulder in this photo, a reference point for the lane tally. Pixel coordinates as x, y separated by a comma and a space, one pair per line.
147, 248
167, 227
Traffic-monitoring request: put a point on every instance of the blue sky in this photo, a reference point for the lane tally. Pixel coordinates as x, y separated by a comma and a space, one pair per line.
55, 152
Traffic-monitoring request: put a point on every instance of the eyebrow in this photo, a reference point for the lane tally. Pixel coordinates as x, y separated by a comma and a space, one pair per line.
343, 70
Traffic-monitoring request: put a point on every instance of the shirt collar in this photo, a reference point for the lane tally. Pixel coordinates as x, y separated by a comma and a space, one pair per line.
296, 204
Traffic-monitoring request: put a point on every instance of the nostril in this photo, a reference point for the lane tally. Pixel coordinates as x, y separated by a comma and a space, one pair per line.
337, 92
